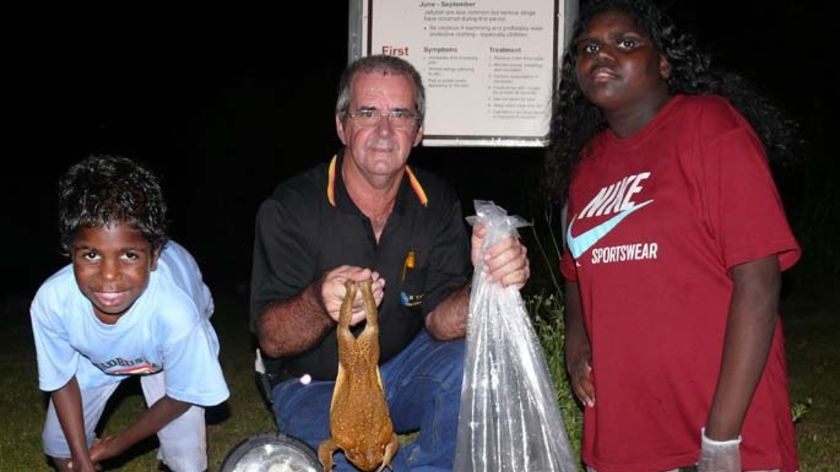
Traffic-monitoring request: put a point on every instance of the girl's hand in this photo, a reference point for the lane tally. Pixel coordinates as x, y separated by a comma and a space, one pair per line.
580, 375
719, 456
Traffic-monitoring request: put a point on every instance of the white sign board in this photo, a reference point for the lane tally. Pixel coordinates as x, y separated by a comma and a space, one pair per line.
489, 66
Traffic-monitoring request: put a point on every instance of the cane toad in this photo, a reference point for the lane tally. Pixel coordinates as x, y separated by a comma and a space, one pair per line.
359, 420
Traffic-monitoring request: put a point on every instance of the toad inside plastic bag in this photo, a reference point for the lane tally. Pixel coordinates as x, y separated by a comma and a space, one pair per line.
509, 418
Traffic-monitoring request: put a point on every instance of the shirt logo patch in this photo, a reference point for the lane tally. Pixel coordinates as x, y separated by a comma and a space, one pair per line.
411, 300
580, 244
616, 199
140, 369
120, 366
407, 299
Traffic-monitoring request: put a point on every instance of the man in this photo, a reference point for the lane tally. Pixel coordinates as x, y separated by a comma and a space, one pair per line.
368, 215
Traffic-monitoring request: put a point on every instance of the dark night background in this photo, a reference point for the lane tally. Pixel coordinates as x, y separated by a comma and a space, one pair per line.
226, 104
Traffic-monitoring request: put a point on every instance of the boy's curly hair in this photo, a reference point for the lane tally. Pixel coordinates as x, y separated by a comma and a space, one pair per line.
102, 190
575, 121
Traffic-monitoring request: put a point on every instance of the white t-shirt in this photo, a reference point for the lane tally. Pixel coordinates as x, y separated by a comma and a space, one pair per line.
167, 328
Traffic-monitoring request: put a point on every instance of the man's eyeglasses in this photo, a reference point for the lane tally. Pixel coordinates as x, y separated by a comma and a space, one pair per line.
369, 117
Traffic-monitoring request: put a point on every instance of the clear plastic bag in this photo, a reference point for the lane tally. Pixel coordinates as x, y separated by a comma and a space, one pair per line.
509, 419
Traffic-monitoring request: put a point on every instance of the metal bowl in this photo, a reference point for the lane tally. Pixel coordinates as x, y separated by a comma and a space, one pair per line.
271, 452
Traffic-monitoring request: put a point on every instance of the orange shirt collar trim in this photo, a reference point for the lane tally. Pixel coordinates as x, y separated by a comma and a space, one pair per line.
412, 179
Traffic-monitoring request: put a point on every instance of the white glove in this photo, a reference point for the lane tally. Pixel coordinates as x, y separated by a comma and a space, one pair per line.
719, 456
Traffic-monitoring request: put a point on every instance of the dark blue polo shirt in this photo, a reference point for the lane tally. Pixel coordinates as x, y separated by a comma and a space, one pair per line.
310, 225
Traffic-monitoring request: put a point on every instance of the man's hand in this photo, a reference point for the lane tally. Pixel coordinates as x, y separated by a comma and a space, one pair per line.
333, 290
719, 456
505, 262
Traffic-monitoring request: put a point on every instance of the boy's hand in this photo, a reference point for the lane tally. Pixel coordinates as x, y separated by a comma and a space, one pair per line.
93, 467
103, 449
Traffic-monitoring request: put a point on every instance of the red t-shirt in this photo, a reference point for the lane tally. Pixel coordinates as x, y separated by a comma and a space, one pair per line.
657, 220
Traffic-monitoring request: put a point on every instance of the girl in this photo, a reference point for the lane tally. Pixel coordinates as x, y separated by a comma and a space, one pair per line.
675, 243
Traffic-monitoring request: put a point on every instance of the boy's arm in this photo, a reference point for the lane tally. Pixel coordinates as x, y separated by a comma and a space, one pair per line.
68, 406
749, 335
150, 422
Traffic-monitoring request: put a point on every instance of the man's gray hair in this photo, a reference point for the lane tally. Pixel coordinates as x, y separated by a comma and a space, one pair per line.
387, 65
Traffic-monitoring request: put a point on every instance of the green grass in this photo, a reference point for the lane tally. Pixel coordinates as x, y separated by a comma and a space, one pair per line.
243, 415
812, 335
20, 400
811, 326
547, 316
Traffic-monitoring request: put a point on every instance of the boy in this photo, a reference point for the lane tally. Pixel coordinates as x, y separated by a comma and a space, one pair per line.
130, 303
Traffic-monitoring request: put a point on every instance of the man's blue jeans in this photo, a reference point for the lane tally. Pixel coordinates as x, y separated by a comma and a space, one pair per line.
423, 389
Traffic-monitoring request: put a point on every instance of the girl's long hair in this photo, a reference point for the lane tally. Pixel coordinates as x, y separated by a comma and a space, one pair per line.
575, 121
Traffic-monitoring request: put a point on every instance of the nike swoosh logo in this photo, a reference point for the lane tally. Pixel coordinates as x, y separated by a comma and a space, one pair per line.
579, 245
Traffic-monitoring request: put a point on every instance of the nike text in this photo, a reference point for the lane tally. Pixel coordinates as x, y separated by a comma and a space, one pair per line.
615, 198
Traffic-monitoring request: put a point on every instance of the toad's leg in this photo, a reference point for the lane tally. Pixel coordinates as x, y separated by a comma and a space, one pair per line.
390, 450
325, 453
